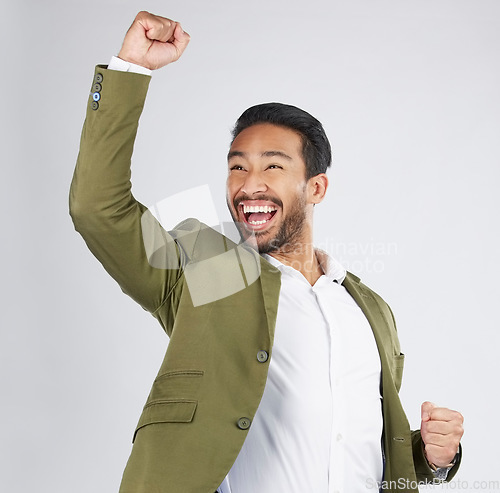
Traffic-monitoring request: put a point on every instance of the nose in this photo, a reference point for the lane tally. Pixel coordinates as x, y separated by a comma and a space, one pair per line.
253, 184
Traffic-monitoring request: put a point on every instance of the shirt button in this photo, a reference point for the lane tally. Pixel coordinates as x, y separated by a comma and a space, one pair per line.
244, 423
339, 437
262, 356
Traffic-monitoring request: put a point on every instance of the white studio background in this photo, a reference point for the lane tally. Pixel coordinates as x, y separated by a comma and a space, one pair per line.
408, 93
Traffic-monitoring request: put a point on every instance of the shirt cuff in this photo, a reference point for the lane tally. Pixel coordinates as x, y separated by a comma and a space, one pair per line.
123, 66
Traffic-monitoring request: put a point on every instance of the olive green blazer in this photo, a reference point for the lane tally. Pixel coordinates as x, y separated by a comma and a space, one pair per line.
191, 428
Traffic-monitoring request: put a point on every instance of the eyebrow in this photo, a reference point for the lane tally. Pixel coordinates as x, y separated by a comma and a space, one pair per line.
232, 154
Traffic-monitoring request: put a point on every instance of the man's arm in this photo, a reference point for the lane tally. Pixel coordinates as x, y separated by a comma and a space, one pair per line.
101, 203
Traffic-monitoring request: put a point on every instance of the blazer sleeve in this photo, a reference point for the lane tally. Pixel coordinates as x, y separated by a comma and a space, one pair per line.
102, 206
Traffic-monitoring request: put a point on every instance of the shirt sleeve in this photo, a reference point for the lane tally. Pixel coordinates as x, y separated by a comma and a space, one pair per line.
123, 66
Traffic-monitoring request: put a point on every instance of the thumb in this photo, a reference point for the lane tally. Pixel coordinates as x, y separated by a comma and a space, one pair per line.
180, 38
426, 410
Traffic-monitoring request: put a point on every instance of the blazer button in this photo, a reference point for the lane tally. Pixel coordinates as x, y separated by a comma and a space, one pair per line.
98, 78
97, 87
96, 96
262, 356
94, 105
244, 423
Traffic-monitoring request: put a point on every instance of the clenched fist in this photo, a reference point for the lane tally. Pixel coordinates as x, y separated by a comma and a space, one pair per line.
441, 431
153, 41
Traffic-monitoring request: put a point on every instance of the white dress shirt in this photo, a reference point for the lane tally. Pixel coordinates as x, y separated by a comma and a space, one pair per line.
319, 425
122, 66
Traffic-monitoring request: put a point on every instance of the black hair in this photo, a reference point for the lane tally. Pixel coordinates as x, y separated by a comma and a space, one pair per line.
316, 149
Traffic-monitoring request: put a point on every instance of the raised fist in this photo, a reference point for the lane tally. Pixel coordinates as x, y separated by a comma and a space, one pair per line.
442, 430
153, 41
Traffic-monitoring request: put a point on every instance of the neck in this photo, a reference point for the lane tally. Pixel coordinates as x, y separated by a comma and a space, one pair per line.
302, 258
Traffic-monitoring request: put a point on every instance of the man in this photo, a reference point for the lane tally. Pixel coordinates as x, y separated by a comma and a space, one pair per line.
283, 370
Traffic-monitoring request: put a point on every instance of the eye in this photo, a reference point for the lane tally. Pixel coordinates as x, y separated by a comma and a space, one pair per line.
236, 167
274, 166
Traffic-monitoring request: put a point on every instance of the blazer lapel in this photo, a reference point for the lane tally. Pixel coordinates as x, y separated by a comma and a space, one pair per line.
371, 310
270, 279
255, 268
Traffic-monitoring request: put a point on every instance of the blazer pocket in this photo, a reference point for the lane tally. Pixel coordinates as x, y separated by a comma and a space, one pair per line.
167, 411
398, 363
177, 385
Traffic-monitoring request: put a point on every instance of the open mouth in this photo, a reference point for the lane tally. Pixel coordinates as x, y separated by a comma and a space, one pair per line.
258, 216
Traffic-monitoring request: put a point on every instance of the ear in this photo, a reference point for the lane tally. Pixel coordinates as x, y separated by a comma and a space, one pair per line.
317, 186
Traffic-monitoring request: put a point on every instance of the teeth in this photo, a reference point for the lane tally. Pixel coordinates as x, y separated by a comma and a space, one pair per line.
258, 208
255, 223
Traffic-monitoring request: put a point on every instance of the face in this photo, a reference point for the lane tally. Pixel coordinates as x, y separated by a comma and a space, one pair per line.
267, 193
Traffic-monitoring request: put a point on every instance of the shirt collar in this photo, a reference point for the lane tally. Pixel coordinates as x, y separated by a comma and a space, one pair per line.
331, 267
